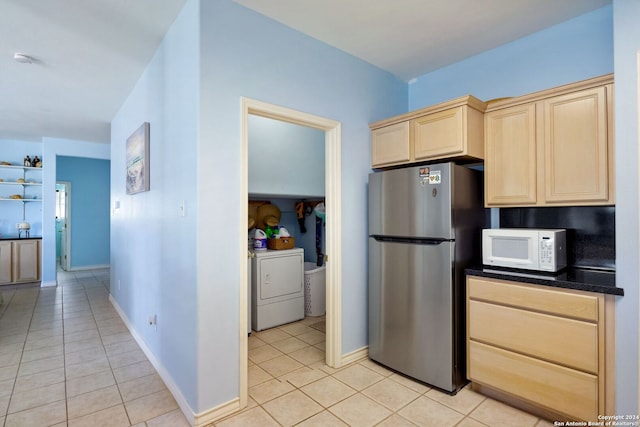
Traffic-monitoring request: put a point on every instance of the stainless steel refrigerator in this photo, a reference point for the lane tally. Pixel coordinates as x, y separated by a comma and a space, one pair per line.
424, 228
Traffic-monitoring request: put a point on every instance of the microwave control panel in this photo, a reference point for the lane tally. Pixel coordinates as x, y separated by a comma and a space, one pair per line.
546, 252
552, 255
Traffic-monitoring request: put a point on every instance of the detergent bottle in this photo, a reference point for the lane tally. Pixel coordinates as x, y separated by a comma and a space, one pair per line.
259, 240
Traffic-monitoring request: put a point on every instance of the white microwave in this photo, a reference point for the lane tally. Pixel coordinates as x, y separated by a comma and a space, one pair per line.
526, 248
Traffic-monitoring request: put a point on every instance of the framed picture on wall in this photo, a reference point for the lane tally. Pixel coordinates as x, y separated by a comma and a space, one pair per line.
137, 152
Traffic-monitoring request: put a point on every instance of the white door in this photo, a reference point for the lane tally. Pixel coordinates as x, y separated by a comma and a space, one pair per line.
63, 208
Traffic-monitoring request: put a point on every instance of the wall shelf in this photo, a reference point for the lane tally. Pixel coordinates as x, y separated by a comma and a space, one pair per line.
10, 185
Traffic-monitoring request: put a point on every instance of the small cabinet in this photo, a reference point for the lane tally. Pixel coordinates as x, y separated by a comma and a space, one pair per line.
390, 145
26, 260
449, 133
546, 348
6, 265
551, 148
453, 129
510, 156
576, 149
20, 261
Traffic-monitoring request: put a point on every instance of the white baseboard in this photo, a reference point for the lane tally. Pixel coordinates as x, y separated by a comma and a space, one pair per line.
217, 413
206, 417
171, 385
48, 283
90, 267
354, 356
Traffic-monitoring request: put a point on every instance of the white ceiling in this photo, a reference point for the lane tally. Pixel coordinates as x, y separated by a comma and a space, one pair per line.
90, 53
412, 37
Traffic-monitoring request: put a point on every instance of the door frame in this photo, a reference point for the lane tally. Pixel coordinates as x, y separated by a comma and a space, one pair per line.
66, 266
333, 180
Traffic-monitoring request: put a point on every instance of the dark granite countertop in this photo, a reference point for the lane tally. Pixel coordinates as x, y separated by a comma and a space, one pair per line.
582, 279
19, 238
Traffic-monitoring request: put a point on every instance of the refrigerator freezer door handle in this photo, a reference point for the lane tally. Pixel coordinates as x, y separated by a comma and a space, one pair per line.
413, 240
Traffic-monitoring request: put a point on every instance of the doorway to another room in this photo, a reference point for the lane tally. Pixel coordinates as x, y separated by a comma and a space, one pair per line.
312, 334
63, 223
82, 216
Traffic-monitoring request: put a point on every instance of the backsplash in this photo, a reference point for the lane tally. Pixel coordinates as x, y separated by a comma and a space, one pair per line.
591, 238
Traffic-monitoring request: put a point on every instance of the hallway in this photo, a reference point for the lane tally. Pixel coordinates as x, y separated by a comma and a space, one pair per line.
66, 358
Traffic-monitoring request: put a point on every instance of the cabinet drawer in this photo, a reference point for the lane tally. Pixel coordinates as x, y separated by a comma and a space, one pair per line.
566, 303
558, 388
569, 342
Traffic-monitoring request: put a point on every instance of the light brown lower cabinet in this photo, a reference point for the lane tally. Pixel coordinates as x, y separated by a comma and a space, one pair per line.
6, 267
547, 350
20, 261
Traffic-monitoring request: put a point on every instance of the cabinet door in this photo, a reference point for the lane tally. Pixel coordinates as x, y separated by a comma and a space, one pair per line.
576, 168
5, 262
390, 145
26, 261
439, 135
510, 156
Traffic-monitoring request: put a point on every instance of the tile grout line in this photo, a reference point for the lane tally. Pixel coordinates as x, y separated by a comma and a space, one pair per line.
395, 412
64, 359
109, 360
24, 345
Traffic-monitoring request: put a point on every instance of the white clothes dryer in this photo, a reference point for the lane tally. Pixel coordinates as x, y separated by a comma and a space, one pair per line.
277, 287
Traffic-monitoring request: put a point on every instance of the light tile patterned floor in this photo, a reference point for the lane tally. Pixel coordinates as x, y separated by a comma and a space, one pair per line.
66, 359
289, 384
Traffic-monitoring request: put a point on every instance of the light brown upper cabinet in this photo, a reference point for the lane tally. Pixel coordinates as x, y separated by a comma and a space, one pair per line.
551, 148
390, 144
510, 156
453, 129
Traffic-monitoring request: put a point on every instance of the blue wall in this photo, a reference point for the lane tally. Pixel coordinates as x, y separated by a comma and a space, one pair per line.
90, 219
153, 247
41, 215
245, 54
574, 50
215, 53
52, 148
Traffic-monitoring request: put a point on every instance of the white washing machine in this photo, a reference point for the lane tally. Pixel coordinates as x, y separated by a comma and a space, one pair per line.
277, 287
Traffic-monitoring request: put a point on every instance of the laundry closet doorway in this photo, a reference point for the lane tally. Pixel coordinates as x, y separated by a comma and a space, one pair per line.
332, 190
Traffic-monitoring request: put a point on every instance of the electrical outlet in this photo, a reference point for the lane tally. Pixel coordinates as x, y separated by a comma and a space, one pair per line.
118, 284
153, 320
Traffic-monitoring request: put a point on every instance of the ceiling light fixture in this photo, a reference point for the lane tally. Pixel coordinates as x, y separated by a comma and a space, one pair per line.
22, 58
